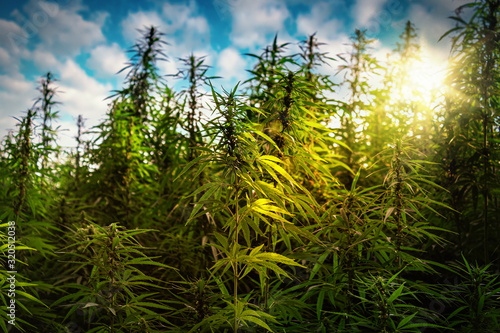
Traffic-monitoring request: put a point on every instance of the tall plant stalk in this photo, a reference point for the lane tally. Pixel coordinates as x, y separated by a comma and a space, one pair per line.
477, 55
47, 92
24, 156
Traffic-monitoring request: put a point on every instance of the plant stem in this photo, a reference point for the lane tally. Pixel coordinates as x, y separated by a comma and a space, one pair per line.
398, 188
25, 152
235, 263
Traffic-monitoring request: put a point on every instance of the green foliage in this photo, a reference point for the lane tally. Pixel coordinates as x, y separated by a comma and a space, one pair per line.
28, 234
104, 281
469, 146
359, 68
281, 209
475, 300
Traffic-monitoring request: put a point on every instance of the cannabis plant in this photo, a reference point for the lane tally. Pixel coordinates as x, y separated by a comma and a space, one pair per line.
470, 149
107, 290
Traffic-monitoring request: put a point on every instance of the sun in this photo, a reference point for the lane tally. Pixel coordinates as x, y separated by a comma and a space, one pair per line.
421, 80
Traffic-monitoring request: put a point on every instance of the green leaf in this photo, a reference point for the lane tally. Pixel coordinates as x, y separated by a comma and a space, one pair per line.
280, 170
31, 297
395, 294
319, 303
405, 320
318, 264
189, 165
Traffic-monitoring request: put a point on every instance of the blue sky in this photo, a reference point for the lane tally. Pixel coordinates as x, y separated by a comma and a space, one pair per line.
85, 42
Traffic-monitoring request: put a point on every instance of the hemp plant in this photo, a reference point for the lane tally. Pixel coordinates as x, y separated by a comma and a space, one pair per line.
407, 200
104, 283
472, 124
25, 202
29, 186
265, 76
45, 112
124, 153
243, 205
312, 58
194, 71
359, 66
474, 303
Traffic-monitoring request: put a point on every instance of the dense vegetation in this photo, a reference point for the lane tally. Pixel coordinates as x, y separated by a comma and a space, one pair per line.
275, 207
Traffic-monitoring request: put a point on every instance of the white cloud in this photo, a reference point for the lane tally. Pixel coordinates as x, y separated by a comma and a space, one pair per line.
364, 10
319, 21
138, 21
332, 32
186, 32
80, 94
18, 83
328, 31
196, 32
231, 65
65, 34
44, 60
427, 23
180, 16
170, 67
13, 37
13, 46
107, 60
65, 31
45, 35
4, 59
431, 19
254, 20
381, 52
17, 95
430, 27
178, 21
